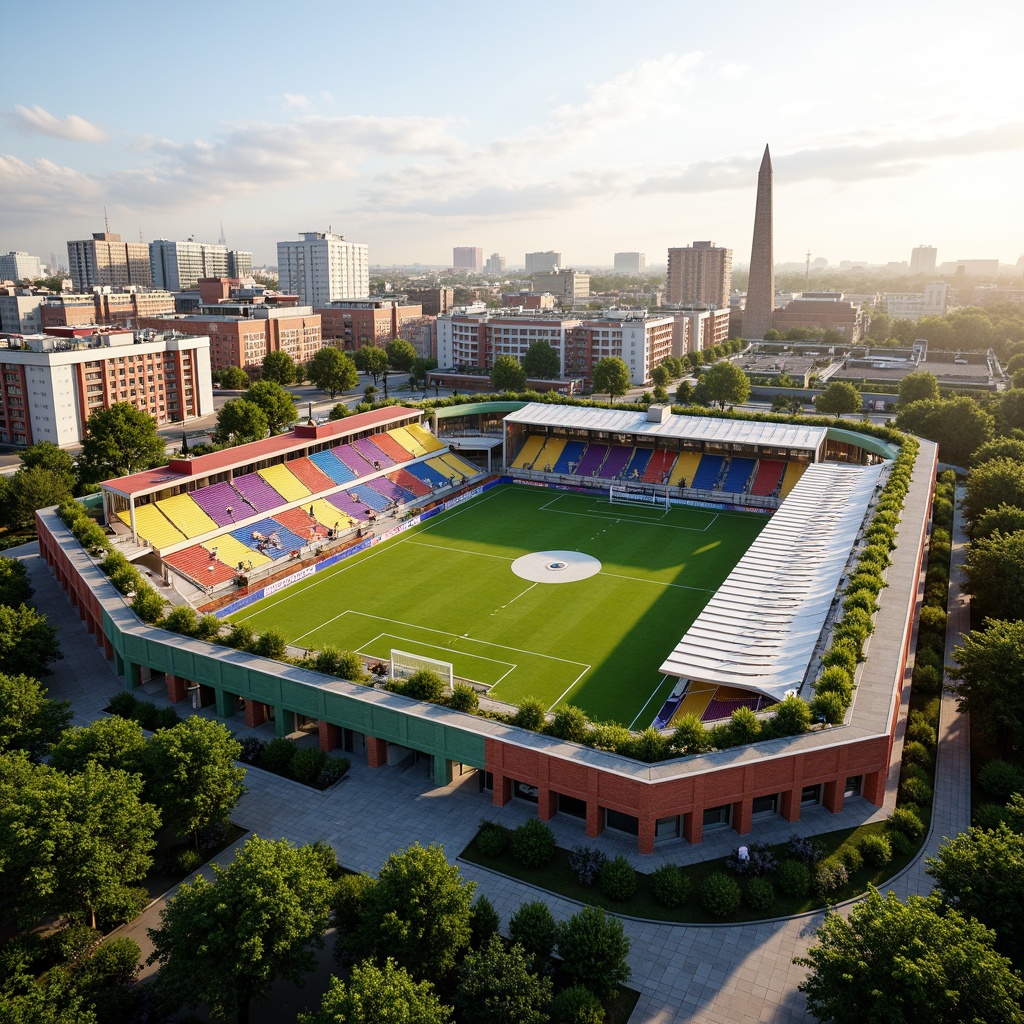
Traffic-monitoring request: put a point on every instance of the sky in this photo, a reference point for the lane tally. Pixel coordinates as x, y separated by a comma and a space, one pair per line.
587, 128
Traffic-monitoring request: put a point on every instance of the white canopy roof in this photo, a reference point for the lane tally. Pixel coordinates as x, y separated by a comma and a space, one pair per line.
760, 629
695, 428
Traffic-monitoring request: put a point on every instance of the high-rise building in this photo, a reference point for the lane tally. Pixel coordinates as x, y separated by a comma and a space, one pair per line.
322, 267
105, 259
19, 266
433, 301
124, 307
495, 264
699, 275
178, 266
565, 284
922, 259
542, 262
630, 262
239, 263
468, 257
760, 306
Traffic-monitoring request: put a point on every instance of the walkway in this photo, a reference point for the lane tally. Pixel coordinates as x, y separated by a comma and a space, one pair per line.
722, 974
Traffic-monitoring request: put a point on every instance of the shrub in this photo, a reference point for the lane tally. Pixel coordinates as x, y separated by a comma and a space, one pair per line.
240, 636
793, 878
609, 736
586, 863
720, 894
147, 715
1001, 780
792, 717
916, 753
649, 746
835, 680
147, 603
334, 768
876, 850
576, 1005
493, 839
277, 756
915, 791
483, 922
690, 736
841, 656
829, 877
933, 618
182, 619
989, 816
463, 698
669, 886
126, 578
760, 860
913, 771
533, 928
166, 718
252, 748
183, 861
852, 858
207, 627
829, 707
123, 704
570, 723
533, 844
307, 764
805, 850
919, 731
618, 879
744, 726
270, 644
423, 685
759, 895
530, 715
861, 599
903, 821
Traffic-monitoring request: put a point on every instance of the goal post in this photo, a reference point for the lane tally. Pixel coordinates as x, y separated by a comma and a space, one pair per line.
404, 664
624, 496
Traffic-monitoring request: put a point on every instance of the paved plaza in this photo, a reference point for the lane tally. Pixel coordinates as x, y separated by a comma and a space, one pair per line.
707, 974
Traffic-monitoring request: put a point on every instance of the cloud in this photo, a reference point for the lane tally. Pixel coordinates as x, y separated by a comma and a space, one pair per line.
29, 191
296, 100
37, 121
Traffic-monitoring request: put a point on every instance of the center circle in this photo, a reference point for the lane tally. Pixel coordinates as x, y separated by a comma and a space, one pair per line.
556, 566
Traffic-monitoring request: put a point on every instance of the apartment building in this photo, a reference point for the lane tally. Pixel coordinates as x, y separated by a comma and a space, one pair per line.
19, 311
375, 321
468, 258
123, 307
699, 274
629, 262
323, 267
543, 262
567, 285
640, 340
107, 260
20, 266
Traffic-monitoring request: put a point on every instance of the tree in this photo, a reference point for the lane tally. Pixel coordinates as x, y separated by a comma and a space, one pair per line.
959, 425
234, 378
239, 422
507, 374
1010, 409
611, 377
278, 367
533, 927
988, 665
378, 994
660, 376
338, 412
723, 383
998, 448
981, 874
593, 948
840, 398
541, 362
995, 568
45, 455
29, 720
495, 984
277, 405
191, 773
997, 482
118, 441
918, 387
224, 942
372, 360
401, 355
420, 368
908, 962
33, 488
112, 742
684, 392
28, 643
332, 371
1004, 519
15, 588
418, 911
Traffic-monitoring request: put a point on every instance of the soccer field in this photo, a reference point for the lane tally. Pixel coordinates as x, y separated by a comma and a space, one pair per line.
446, 589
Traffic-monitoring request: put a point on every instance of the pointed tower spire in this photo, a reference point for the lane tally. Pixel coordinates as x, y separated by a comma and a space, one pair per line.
223, 240
758, 314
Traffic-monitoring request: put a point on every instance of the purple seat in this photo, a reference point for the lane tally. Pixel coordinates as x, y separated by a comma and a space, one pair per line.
592, 459
372, 453
353, 509
390, 490
351, 458
257, 492
616, 461
215, 501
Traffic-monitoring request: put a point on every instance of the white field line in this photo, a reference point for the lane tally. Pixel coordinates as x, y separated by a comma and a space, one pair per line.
570, 687
658, 583
649, 699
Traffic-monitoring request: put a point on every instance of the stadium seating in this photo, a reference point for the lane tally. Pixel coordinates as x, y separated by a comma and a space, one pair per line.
738, 476
373, 453
200, 566
301, 523
287, 542
216, 499
695, 701
428, 474
285, 483
232, 551
794, 471
186, 515
685, 469
414, 447
768, 477
389, 489
329, 464
329, 515
153, 526
618, 458
718, 709
550, 453
639, 462
528, 453
396, 452
355, 462
412, 484
707, 472
309, 474
660, 466
349, 506
425, 437
458, 463
594, 455
257, 492
571, 452
368, 496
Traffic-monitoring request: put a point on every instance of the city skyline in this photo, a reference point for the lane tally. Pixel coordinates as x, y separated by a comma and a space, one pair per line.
609, 150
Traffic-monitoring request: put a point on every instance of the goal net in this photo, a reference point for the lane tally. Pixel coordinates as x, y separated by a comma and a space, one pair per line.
404, 664
623, 496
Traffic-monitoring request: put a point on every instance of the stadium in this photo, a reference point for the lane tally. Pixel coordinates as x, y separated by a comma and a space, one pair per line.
635, 563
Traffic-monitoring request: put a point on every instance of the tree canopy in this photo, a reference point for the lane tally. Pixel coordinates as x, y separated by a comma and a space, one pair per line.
15, 588
372, 360
917, 961
611, 377
722, 384
239, 422
840, 398
234, 378
918, 387
995, 571
331, 370
118, 441
401, 355
279, 367
32, 488
998, 448
999, 481
507, 374
28, 643
959, 425
593, 947
1004, 518
29, 720
277, 404
112, 742
224, 942
496, 984
540, 361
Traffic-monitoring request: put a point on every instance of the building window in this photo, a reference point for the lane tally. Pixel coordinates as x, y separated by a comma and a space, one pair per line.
853, 785
765, 806
667, 828
572, 806
621, 822
524, 791
717, 817
810, 795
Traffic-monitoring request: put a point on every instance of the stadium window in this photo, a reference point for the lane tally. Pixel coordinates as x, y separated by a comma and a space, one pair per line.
718, 817
621, 822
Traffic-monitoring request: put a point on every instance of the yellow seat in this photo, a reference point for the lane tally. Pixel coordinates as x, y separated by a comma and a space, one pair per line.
327, 514
794, 470
685, 468
407, 441
232, 551
528, 453
153, 526
460, 466
186, 515
285, 482
548, 455
695, 701
425, 438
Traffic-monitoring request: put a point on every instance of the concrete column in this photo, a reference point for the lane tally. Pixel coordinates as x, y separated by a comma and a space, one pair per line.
225, 703
330, 736
118, 664
595, 818
376, 752
177, 688
832, 796
693, 826
873, 787
284, 721
790, 809
741, 812
502, 790
442, 772
645, 837
255, 713
547, 803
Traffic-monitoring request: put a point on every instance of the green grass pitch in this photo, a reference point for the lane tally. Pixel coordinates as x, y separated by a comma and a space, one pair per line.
445, 589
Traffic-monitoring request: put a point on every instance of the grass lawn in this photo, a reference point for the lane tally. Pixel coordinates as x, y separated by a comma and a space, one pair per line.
445, 589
